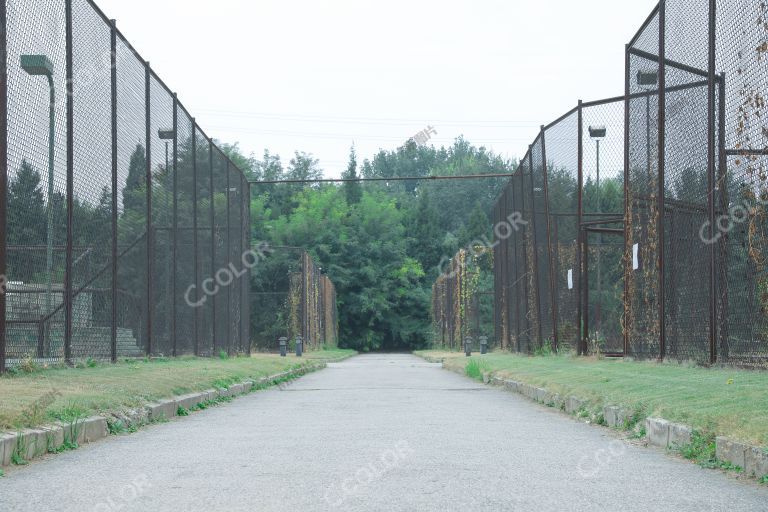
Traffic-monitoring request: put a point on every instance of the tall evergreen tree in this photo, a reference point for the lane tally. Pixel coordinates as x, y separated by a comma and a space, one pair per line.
352, 189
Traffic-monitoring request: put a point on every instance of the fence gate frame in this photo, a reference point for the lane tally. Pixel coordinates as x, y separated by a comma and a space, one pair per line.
586, 228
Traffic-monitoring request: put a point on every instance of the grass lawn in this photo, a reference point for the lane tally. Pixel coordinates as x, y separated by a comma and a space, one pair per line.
30, 399
727, 402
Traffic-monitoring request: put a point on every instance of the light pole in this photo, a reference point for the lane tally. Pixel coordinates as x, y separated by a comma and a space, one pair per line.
167, 136
40, 65
597, 133
648, 80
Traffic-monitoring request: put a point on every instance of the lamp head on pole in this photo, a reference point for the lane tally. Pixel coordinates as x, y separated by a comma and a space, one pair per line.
37, 65
647, 78
597, 132
166, 134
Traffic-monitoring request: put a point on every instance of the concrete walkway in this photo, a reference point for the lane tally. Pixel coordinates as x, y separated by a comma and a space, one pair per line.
376, 432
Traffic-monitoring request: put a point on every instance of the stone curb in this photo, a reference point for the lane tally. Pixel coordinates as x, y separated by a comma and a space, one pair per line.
35, 442
659, 432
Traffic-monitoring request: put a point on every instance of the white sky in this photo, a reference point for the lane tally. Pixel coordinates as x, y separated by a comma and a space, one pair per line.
316, 75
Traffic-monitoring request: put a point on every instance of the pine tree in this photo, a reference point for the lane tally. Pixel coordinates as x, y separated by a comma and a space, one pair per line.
352, 190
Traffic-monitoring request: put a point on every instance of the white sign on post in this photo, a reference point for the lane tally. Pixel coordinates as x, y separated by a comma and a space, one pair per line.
570, 279
635, 258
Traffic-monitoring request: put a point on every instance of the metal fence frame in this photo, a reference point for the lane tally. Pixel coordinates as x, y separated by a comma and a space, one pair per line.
236, 237
691, 141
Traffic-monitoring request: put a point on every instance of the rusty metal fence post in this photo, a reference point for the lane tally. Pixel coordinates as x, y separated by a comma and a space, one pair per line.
148, 214
70, 186
174, 226
661, 188
195, 254
581, 348
3, 176
113, 115
550, 252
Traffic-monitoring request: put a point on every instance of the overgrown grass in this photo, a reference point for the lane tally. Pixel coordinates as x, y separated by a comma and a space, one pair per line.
37, 396
475, 368
718, 401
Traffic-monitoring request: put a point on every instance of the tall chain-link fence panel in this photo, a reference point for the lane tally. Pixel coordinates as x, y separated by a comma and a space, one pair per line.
562, 145
292, 298
645, 213
110, 213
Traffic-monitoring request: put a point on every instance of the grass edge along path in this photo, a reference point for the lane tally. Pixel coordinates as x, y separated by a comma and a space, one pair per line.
41, 396
714, 401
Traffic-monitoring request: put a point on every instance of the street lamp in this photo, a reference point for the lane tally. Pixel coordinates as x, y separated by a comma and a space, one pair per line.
166, 135
648, 80
597, 133
40, 65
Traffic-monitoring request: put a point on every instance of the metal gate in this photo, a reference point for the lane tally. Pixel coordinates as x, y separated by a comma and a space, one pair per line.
603, 269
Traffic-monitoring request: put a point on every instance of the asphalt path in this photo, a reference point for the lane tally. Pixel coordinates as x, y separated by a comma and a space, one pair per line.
374, 433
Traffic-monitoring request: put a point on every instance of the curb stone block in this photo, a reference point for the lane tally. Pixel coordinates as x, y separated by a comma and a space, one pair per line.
679, 435
94, 428
247, 386
162, 409
731, 451
657, 432
67, 430
541, 396
512, 385
623, 417
611, 415
530, 391
486, 378
54, 436
497, 381
189, 401
573, 405
35, 443
756, 462
236, 389
7, 443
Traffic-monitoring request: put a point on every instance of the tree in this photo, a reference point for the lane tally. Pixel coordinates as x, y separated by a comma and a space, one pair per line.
134, 192
27, 221
352, 189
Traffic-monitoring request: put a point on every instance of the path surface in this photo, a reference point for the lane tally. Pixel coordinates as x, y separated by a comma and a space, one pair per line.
378, 433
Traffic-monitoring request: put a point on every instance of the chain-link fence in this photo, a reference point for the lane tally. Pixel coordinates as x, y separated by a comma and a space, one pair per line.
292, 297
462, 307
646, 229
124, 228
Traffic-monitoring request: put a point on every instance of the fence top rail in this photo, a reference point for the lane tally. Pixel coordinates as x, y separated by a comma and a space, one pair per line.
645, 25
668, 62
122, 37
562, 117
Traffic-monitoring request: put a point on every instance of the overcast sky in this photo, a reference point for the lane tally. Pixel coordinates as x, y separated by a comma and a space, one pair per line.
317, 76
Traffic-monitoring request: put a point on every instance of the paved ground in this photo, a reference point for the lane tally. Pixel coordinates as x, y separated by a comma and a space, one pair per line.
376, 432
